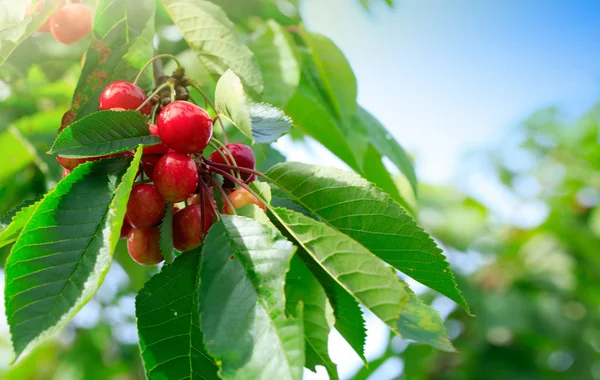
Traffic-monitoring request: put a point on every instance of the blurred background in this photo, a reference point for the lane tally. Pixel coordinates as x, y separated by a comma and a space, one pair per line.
497, 101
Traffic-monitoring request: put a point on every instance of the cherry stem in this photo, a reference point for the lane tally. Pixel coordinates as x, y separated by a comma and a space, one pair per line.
154, 109
223, 193
211, 199
139, 76
239, 183
149, 98
226, 154
196, 86
173, 94
238, 168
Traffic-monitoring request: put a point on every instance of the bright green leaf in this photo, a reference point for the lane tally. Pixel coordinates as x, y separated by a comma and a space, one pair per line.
168, 323
231, 101
103, 133
279, 62
121, 45
19, 220
212, 36
14, 154
357, 208
242, 302
65, 250
268, 123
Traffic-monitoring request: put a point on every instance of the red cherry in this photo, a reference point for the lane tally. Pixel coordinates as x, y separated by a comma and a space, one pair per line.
185, 127
125, 230
149, 163
244, 158
70, 163
71, 23
124, 95
155, 149
240, 198
46, 27
175, 177
144, 246
188, 231
65, 173
146, 207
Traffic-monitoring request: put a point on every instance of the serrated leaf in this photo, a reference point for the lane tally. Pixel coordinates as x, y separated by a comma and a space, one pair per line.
357, 208
121, 45
102, 133
268, 123
65, 250
279, 63
231, 101
212, 36
16, 28
242, 302
18, 222
168, 323
356, 270
423, 324
302, 286
166, 235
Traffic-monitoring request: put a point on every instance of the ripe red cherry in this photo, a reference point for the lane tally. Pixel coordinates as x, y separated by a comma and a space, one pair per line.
149, 163
71, 23
240, 198
188, 231
146, 207
185, 127
144, 246
125, 229
244, 158
124, 95
70, 163
155, 149
175, 177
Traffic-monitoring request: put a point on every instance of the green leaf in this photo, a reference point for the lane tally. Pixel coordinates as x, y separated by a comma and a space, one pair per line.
268, 123
302, 286
168, 323
15, 153
16, 28
166, 235
279, 62
65, 250
357, 208
121, 45
102, 133
423, 324
230, 100
242, 302
356, 270
19, 220
213, 37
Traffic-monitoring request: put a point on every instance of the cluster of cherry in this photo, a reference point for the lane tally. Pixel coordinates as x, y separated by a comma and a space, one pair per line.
175, 171
69, 24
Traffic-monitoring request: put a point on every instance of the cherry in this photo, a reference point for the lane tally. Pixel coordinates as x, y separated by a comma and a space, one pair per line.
155, 149
185, 127
125, 230
71, 23
149, 163
240, 198
244, 158
146, 207
175, 177
65, 173
188, 231
144, 246
70, 163
30, 11
124, 95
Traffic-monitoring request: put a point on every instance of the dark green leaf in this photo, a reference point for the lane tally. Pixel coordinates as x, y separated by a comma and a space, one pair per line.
103, 133
279, 62
357, 208
212, 36
169, 323
268, 123
64, 251
121, 45
166, 235
242, 302
302, 286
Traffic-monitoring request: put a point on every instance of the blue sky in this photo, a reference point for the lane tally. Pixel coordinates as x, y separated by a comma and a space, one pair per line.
446, 76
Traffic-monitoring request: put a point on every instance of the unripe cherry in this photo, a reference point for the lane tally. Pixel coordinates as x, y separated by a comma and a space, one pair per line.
144, 246
71, 23
240, 198
145, 207
124, 95
175, 177
185, 127
244, 158
188, 231
155, 149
